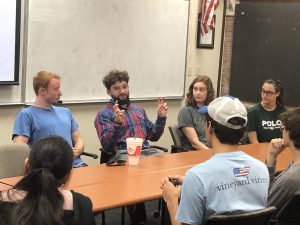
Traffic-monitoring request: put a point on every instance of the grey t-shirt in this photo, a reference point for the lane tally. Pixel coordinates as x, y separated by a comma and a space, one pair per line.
283, 186
190, 117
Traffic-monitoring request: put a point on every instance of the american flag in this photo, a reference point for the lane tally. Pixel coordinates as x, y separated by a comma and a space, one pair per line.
241, 172
208, 8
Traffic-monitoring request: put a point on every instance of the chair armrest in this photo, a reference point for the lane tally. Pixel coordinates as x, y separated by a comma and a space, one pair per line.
95, 156
159, 147
177, 149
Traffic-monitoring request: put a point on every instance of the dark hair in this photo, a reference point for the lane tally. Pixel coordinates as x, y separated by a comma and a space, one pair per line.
291, 121
278, 88
113, 76
50, 164
190, 101
225, 134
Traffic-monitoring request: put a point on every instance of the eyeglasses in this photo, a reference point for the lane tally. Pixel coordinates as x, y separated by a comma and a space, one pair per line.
267, 93
119, 88
282, 128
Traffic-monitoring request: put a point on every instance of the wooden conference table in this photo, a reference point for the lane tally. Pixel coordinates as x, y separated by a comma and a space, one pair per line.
111, 187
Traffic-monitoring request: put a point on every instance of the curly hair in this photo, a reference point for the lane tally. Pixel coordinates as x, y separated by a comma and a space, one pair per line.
113, 76
190, 101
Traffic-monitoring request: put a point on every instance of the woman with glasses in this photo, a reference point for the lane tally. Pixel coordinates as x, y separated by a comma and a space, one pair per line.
263, 118
191, 123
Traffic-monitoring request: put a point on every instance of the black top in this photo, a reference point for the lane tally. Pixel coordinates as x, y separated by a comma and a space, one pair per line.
82, 213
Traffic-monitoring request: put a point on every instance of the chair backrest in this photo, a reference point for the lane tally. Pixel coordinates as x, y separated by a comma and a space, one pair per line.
289, 213
174, 134
177, 147
12, 158
259, 217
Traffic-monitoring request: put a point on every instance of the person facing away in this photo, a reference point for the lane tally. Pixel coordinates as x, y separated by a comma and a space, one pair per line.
191, 123
230, 181
263, 118
120, 119
38, 198
43, 118
283, 186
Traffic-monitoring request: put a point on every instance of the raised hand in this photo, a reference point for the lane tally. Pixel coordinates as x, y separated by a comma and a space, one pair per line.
119, 114
276, 146
162, 107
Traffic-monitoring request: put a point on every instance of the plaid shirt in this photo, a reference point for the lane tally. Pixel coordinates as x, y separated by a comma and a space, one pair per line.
136, 124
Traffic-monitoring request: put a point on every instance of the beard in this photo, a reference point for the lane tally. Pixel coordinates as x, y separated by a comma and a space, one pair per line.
123, 103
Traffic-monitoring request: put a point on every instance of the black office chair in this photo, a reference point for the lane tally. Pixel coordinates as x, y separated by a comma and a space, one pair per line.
289, 213
258, 217
88, 154
177, 146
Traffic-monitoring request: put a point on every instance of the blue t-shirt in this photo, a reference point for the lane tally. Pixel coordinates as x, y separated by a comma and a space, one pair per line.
36, 123
228, 182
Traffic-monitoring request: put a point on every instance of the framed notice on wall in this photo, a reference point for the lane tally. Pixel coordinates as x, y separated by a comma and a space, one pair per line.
206, 40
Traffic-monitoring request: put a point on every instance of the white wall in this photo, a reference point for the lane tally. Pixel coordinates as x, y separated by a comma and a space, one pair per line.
199, 61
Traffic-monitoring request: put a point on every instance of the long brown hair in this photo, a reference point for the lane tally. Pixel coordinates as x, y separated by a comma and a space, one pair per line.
190, 101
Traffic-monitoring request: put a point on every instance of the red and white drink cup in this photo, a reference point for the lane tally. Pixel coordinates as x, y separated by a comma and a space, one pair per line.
134, 147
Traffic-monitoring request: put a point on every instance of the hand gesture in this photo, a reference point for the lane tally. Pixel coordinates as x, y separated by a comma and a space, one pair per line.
276, 146
119, 114
170, 192
162, 107
76, 152
179, 178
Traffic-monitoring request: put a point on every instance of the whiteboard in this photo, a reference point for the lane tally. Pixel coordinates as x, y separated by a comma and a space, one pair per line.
83, 40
